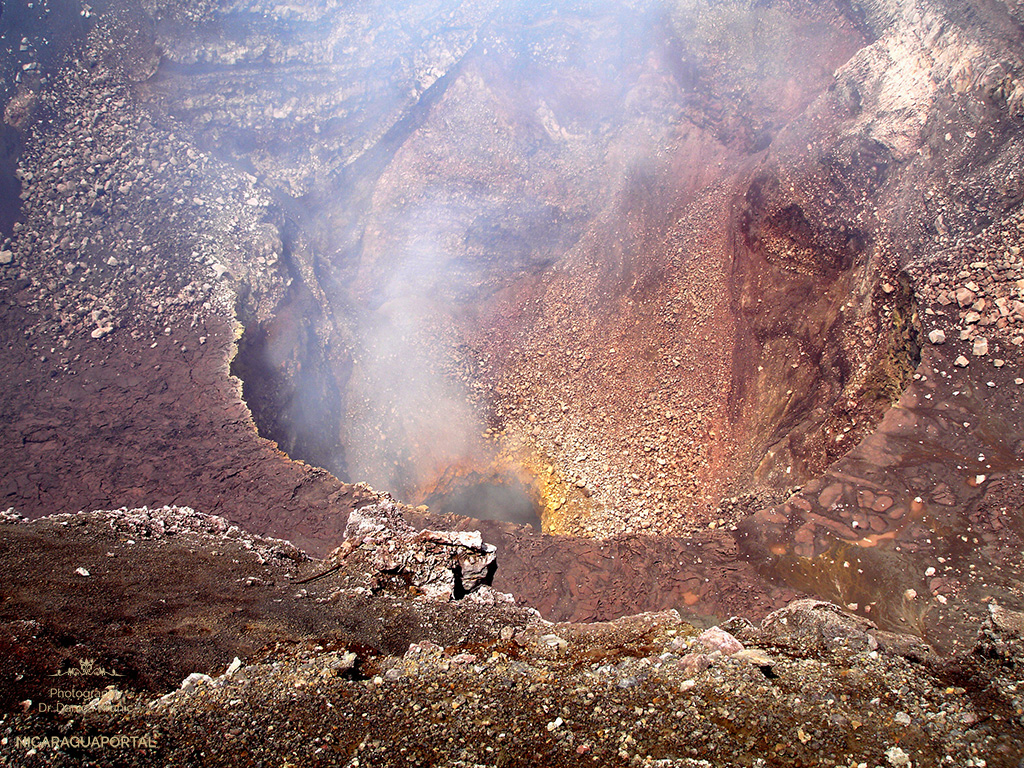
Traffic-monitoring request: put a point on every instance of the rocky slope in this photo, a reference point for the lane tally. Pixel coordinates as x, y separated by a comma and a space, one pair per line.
353, 662
733, 291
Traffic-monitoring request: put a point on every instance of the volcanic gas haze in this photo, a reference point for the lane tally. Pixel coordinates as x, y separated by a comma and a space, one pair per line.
552, 246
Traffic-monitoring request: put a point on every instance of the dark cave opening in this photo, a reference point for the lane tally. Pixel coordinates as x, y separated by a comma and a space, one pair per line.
290, 386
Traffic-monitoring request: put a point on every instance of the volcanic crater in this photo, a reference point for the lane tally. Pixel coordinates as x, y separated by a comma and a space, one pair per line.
652, 345
694, 306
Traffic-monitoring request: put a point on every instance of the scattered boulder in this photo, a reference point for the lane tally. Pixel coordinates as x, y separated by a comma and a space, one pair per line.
965, 297
694, 663
1006, 621
442, 565
717, 639
907, 646
755, 656
554, 641
818, 625
107, 700
194, 680
897, 757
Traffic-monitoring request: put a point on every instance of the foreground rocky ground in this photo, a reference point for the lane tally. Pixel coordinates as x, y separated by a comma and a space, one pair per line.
370, 664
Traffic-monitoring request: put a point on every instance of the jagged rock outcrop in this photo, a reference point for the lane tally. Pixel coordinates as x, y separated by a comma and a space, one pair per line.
438, 564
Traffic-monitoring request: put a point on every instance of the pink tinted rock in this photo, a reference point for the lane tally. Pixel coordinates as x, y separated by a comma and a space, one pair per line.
830, 495
717, 639
865, 498
424, 647
803, 550
805, 534
694, 663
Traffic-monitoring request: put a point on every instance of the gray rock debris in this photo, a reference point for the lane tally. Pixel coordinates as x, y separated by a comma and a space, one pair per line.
1007, 621
161, 522
815, 624
897, 758
443, 565
10, 515
820, 623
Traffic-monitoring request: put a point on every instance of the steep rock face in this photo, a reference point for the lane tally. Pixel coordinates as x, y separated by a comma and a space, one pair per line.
312, 99
908, 145
925, 152
120, 281
541, 226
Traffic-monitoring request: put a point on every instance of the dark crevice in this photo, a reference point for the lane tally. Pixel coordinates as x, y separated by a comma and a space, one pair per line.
289, 384
10, 186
